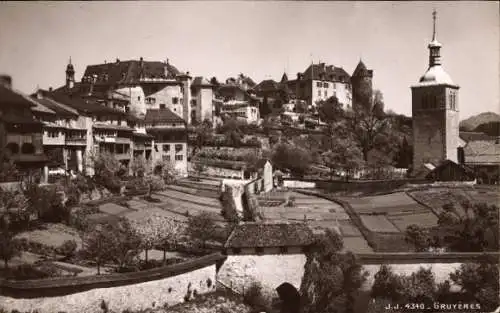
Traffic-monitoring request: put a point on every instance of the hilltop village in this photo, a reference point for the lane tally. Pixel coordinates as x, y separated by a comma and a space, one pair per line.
146, 188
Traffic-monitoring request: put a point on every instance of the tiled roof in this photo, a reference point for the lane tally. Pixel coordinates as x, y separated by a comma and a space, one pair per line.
360, 69
330, 73
10, 97
474, 136
130, 71
142, 135
162, 115
482, 153
59, 108
252, 235
111, 126
40, 108
446, 163
200, 81
83, 105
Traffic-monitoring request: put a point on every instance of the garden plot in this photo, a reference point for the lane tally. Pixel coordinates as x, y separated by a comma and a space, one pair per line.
436, 198
484, 195
142, 214
52, 235
319, 227
348, 229
112, 208
378, 223
356, 245
212, 194
425, 220
392, 204
183, 206
191, 198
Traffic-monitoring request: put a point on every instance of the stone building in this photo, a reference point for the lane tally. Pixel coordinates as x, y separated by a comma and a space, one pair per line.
362, 87
320, 82
21, 134
435, 113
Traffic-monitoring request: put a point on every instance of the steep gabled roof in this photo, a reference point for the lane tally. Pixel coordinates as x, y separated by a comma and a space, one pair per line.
162, 116
482, 152
59, 108
253, 235
10, 97
325, 72
123, 72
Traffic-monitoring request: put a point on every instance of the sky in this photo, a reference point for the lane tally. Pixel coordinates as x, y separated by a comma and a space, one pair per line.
261, 39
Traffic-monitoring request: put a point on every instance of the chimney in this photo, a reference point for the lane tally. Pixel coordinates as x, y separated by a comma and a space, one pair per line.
117, 60
39, 94
6, 81
50, 89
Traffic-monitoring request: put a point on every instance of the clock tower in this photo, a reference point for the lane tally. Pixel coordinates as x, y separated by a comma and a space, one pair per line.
434, 112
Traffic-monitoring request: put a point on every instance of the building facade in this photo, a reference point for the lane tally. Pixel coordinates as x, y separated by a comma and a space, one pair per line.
320, 82
435, 113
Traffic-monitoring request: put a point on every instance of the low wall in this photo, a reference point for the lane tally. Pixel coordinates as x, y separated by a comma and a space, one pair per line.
135, 291
371, 185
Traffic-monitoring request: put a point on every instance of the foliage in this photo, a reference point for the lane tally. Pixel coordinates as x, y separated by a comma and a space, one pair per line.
331, 279
204, 133
479, 282
344, 156
200, 168
330, 110
156, 229
46, 203
78, 186
16, 209
229, 211
29, 271
106, 171
99, 244
295, 159
8, 171
154, 183
9, 246
418, 237
127, 242
67, 248
139, 166
166, 170
201, 228
254, 298
250, 207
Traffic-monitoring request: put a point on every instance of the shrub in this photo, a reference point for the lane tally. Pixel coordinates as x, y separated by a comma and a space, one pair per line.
68, 248
253, 297
30, 271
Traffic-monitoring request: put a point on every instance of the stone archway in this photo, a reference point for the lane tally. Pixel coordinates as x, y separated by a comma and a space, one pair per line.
290, 298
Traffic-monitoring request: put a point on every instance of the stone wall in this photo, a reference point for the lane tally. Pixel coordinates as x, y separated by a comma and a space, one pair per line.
133, 292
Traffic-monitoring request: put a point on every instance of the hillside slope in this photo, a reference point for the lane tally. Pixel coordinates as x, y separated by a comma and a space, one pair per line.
474, 121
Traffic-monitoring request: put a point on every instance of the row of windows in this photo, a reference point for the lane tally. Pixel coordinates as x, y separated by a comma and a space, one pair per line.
151, 100
178, 147
52, 133
325, 85
26, 148
178, 157
453, 101
429, 101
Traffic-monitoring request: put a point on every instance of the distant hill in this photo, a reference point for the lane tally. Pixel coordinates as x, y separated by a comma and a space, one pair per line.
473, 122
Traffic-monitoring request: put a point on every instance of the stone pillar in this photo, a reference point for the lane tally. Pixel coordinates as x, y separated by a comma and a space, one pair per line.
45, 175
79, 160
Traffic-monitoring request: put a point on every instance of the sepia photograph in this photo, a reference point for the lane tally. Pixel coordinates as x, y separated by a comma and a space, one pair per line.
249, 156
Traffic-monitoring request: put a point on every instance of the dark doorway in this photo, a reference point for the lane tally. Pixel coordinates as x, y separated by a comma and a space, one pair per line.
290, 298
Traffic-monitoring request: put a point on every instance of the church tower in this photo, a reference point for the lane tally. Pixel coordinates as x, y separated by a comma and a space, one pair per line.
434, 112
70, 75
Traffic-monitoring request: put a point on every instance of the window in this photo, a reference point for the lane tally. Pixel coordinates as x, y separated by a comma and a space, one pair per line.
193, 102
178, 147
27, 148
139, 98
284, 250
166, 148
259, 250
318, 84
162, 106
319, 93
305, 249
334, 86
166, 158
325, 85
326, 93
236, 250
179, 157
150, 100
175, 100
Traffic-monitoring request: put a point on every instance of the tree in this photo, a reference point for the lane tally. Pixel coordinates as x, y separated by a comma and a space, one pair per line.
127, 242
154, 229
16, 208
99, 244
418, 237
215, 82
473, 231
201, 228
229, 211
154, 183
295, 159
139, 166
166, 170
344, 156
368, 125
46, 203
331, 279
478, 282
199, 168
203, 132
330, 110
9, 246
8, 171
106, 171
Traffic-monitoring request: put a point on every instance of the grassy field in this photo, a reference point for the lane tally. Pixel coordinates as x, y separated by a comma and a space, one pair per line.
378, 223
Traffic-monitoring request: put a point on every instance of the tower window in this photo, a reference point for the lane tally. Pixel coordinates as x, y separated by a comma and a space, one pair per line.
318, 84
175, 100
139, 98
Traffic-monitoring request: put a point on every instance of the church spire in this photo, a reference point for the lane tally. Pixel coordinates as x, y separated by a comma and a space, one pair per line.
434, 45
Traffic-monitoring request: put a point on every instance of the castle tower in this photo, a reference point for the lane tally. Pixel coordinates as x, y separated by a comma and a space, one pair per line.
186, 105
434, 112
362, 88
70, 75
